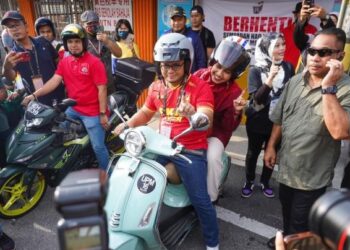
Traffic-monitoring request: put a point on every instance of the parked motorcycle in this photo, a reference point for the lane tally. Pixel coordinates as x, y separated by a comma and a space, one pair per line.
42, 152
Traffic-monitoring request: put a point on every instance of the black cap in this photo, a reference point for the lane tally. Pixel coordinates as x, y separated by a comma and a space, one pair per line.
11, 14
197, 9
178, 11
298, 7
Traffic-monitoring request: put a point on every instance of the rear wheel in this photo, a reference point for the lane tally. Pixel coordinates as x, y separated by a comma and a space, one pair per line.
18, 198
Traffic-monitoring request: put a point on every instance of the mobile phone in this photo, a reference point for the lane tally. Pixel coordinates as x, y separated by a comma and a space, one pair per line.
25, 57
304, 241
99, 29
311, 3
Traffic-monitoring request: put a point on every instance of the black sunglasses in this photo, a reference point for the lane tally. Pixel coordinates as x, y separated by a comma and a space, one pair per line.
322, 52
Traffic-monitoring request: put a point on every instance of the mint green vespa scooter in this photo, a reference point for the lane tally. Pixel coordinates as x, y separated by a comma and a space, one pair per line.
143, 210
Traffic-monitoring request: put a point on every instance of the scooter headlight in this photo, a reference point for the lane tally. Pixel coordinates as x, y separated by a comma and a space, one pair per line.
134, 142
34, 122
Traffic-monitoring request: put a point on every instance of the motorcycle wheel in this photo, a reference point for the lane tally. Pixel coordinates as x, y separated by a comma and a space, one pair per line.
15, 200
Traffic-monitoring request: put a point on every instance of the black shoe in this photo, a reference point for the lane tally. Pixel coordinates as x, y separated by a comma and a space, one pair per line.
271, 243
6, 243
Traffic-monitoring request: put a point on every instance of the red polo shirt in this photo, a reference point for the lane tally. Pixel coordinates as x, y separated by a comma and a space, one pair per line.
81, 76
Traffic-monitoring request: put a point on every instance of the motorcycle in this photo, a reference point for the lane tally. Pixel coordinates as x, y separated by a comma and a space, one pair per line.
144, 211
42, 152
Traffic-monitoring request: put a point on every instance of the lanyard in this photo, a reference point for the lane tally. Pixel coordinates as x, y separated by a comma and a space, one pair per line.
98, 52
36, 61
182, 93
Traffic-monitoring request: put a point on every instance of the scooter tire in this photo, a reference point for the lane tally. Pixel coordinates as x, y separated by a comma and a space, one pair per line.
14, 202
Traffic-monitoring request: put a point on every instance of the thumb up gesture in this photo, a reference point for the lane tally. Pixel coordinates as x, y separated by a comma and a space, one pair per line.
185, 108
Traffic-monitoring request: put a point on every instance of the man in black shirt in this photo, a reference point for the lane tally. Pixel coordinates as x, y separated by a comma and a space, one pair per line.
206, 35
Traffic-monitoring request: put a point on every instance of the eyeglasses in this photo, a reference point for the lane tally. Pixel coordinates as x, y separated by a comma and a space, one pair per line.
14, 26
175, 66
322, 52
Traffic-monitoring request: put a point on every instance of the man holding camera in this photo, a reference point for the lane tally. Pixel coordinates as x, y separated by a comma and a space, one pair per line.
310, 120
34, 58
100, 44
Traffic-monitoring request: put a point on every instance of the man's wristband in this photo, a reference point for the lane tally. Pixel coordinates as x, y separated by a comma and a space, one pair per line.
34, 96
329, 90
102, 113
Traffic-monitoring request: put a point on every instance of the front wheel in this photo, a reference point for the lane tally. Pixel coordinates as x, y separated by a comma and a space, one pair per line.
18, 197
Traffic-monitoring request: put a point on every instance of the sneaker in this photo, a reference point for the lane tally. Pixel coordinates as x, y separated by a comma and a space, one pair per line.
6, 243
247, 189
267, 191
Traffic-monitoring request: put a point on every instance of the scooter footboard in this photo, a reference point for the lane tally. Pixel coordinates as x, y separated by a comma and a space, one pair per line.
123, 241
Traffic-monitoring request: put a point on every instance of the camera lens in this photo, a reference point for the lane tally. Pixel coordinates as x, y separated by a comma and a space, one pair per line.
330, 218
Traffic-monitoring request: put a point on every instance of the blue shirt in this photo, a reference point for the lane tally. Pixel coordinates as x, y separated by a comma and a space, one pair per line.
199, 52
47, 56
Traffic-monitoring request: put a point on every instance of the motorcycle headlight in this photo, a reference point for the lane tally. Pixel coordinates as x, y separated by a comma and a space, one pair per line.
34, 122
134, 142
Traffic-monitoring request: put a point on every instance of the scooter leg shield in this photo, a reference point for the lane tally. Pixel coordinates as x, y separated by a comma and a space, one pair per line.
10, 170
123, 241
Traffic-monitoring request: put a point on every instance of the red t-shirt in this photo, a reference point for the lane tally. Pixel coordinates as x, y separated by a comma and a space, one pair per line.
292, 52
197, 92
224, 122
81, 76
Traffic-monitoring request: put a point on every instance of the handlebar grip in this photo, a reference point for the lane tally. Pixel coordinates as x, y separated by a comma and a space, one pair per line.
192, 152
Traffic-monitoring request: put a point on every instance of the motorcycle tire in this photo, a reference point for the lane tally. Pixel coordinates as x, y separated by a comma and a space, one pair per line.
15, 201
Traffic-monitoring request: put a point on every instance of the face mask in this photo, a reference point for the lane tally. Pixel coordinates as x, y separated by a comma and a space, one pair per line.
123, 34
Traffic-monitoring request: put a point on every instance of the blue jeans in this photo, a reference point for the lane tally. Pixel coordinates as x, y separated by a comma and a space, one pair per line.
96, 135
194, 178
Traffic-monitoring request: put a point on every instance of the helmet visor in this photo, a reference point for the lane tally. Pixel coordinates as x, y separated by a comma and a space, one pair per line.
227, 53
168, 55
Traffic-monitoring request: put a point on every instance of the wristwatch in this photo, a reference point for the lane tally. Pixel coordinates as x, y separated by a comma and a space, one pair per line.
329, 90
325, 18
102, 113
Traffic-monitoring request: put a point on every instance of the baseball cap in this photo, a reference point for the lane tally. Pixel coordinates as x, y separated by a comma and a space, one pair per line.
178, 11
197, 9
89, 16
11, 14
298, 7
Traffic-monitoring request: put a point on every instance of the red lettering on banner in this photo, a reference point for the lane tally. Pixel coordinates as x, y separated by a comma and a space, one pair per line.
254, 24
227, 23
244, 23
235, 23
272, 24
263, 24
282, 21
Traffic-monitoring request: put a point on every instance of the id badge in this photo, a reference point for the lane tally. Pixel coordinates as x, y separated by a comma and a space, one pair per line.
165, 128
37, 82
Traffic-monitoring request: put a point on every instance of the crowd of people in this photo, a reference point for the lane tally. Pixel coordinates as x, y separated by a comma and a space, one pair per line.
302, 117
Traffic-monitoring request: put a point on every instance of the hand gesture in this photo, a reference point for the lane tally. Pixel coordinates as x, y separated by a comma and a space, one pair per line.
318, 11
273, 69
239, 103
334, 74
185, 108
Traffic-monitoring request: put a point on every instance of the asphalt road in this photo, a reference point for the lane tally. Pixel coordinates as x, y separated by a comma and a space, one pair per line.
244, 223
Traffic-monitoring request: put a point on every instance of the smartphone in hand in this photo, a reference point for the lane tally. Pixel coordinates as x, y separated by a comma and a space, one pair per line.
24, 56
304, 241
311, 3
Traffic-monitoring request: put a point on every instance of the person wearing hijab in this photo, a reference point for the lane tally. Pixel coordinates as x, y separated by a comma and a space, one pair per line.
265, 85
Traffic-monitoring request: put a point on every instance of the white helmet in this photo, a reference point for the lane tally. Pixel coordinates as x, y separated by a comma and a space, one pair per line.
173, 47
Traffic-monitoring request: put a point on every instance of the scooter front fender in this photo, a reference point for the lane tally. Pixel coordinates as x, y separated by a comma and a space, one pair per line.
123, 241
11, 170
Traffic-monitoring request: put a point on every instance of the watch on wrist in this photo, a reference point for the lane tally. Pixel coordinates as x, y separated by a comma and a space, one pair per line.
102, 113
329, 90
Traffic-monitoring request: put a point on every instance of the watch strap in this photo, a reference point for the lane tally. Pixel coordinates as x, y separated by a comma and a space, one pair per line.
329, 90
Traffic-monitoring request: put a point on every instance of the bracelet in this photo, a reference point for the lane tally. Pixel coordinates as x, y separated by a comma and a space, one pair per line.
34, 96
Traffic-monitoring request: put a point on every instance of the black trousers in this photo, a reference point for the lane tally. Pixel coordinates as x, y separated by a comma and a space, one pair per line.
296, 205
255, 144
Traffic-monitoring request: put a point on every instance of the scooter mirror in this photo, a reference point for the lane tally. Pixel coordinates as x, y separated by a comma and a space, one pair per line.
199, 121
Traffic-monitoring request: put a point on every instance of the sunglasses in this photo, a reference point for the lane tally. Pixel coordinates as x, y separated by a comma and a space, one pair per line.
322, 52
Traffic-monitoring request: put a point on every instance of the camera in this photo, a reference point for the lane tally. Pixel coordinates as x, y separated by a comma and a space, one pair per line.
80, 199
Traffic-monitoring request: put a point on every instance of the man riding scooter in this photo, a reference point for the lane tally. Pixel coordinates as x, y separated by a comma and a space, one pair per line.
85, 79
177, 95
